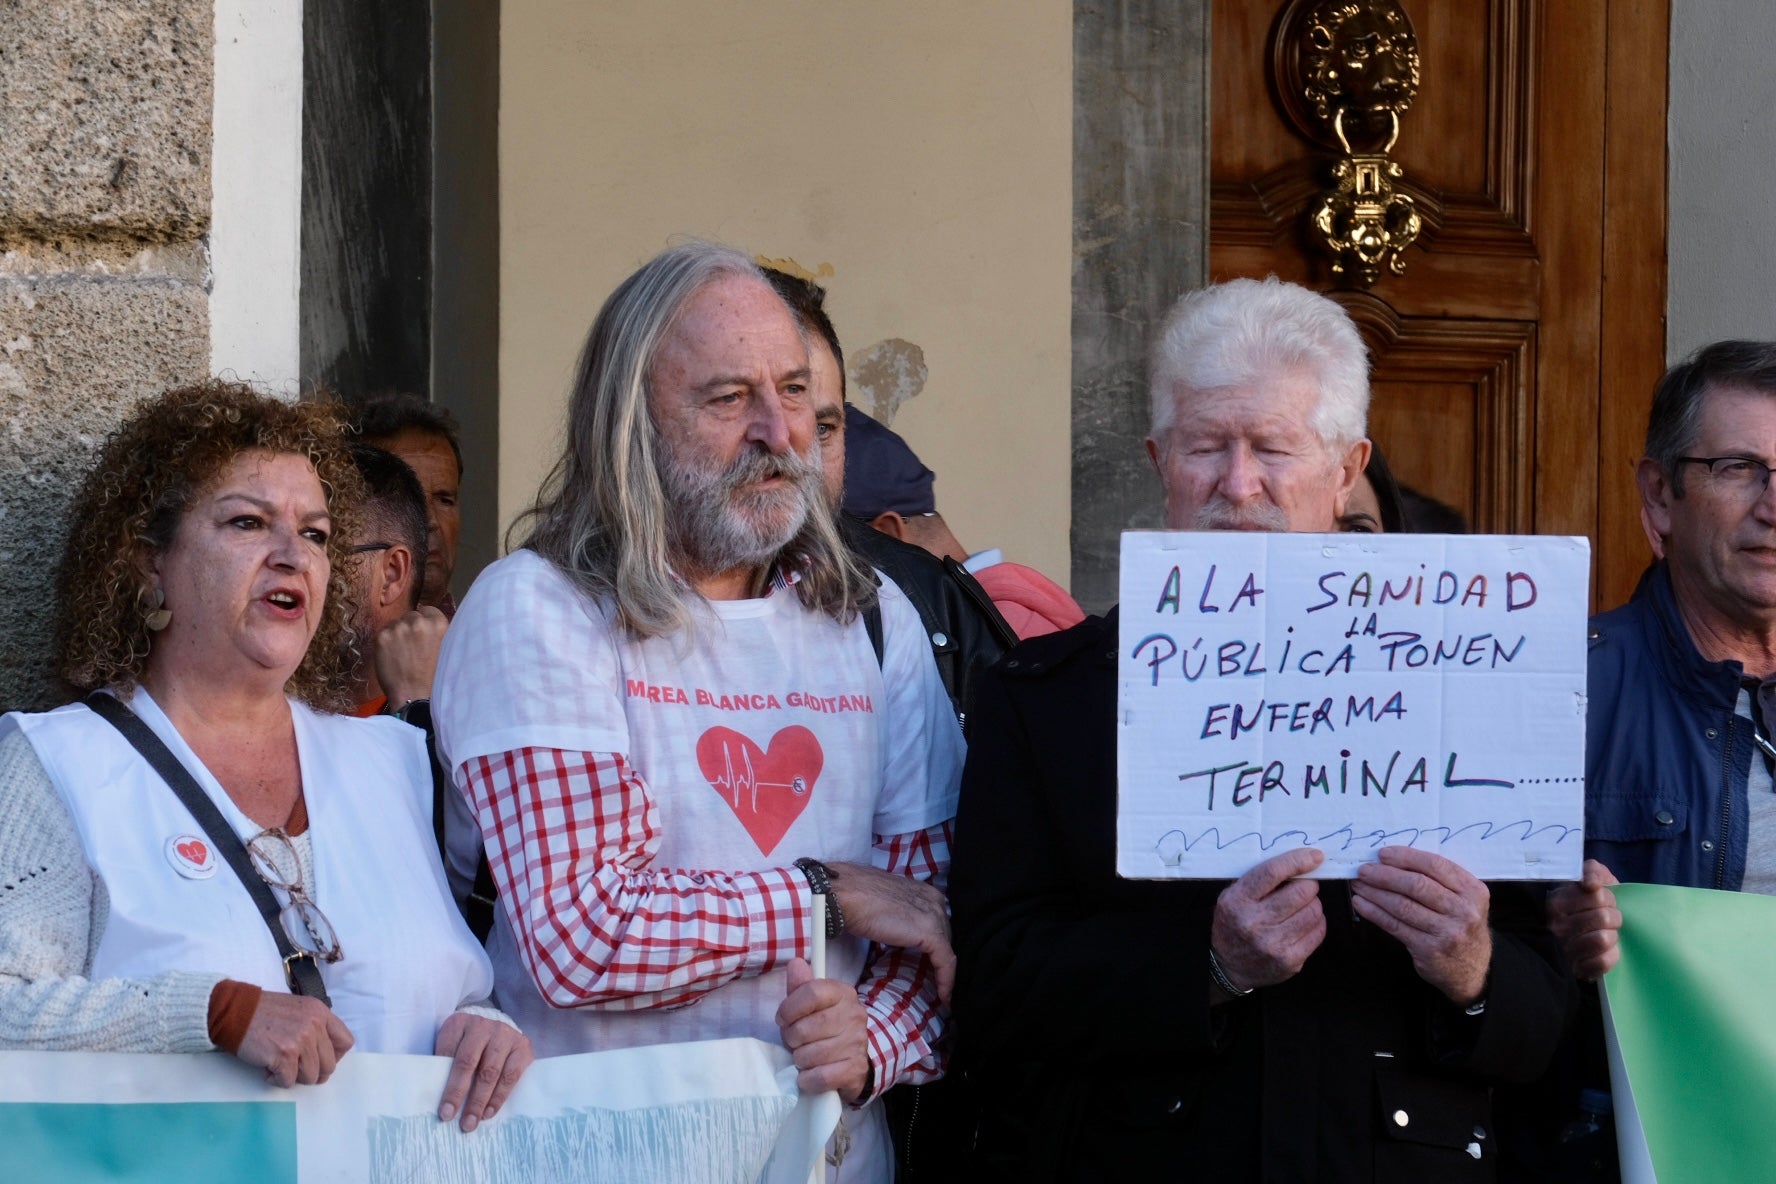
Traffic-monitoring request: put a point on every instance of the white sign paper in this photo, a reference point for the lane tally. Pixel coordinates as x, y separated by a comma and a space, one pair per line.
1351, 692
715, 1112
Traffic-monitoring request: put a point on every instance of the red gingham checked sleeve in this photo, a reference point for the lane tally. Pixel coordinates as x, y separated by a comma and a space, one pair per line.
571, 838
899, 989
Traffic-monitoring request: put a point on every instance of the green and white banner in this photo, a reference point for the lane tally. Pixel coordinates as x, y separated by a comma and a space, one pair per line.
722, 1112
1691, 1017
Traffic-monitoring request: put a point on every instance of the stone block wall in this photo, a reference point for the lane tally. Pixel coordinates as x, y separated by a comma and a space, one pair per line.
105, 115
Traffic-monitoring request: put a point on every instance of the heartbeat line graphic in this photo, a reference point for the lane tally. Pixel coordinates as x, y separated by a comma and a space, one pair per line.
744, 780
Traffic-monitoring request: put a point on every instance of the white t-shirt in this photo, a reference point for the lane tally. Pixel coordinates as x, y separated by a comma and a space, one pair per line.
769, 734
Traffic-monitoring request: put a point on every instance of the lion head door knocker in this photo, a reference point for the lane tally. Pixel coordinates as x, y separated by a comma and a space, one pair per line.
1346, 70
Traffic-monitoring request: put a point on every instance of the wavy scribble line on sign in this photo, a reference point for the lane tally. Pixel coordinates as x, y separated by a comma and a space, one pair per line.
1407, 836
711, 1141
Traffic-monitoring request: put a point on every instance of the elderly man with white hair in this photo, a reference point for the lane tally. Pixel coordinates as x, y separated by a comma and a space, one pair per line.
1274, 1028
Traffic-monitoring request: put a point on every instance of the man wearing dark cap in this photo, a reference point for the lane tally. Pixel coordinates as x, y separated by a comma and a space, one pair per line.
932, 1123
887, 486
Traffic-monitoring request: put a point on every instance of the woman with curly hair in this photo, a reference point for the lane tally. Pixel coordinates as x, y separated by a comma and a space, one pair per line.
202, 854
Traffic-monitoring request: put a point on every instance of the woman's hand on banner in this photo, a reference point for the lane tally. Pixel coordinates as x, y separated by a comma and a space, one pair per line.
295, 1039
488, 1058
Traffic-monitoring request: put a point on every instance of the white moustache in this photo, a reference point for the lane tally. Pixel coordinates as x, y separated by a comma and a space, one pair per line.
1263, 516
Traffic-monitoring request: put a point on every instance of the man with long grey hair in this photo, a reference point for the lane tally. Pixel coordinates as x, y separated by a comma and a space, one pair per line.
671, 692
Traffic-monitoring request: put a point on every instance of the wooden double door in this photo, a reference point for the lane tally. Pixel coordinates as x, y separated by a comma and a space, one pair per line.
1514, 360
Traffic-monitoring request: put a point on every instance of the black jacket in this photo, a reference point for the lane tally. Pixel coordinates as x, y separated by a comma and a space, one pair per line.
967, 633
1082, 1010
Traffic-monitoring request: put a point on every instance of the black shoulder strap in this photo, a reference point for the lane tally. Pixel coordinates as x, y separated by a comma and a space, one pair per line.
300, 967
989, 611
872, 624
477, 910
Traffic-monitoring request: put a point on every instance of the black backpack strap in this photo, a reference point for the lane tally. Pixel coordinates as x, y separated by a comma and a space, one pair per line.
989, 611
301, 968
872, 624
477, 910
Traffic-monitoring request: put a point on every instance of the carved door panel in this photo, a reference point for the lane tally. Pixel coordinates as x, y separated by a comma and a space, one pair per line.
1515, 356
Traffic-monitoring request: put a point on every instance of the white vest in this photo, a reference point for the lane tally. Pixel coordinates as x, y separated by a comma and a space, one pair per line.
409, 959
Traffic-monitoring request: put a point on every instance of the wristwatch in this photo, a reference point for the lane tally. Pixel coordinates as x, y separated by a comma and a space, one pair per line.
417, 712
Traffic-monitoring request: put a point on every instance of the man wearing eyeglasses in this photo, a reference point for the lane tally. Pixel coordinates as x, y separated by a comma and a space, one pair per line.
397, 638
1682, 687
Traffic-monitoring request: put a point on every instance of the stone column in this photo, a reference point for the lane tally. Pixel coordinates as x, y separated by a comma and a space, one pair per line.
1140, 240
105, 111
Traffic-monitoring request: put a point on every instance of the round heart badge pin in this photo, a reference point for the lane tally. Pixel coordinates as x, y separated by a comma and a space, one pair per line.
191, 857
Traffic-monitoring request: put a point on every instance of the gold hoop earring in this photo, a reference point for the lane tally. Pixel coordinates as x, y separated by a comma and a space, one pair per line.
160, 616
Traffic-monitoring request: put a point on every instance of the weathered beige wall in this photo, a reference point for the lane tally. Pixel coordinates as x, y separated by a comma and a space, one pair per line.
922, 150
104, 198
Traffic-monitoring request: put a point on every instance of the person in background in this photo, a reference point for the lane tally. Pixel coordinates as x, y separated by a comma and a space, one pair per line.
932, 1123
888, 487
395, 638
395, 641
675, 730
203, 595
426, 437
966, 630
1271, 1028
1679, 785
1424, 514
1374, 506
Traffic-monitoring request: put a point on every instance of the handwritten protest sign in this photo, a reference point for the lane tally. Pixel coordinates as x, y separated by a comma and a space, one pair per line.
1351, 692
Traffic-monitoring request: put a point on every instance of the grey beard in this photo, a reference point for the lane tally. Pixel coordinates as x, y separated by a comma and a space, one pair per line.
1221, 516
715, 527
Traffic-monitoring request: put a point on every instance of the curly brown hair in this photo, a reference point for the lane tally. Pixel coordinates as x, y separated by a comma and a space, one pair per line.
163, 457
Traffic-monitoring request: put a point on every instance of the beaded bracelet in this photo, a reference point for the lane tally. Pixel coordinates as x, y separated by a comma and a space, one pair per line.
1222, 981
820, 879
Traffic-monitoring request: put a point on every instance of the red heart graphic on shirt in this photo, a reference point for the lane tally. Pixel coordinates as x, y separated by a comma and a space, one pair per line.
193, 852
766, 788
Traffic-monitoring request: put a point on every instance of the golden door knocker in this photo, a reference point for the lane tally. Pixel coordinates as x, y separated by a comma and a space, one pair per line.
1350, 67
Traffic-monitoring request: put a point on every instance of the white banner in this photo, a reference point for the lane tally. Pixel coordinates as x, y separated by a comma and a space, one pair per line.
1351, 692
718, 1112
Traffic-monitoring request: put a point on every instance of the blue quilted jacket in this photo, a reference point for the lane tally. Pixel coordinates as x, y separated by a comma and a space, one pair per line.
1666, 759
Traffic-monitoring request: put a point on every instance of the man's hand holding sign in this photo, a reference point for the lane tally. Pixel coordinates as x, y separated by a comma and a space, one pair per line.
1267, 922
1585, 917
1438, 912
